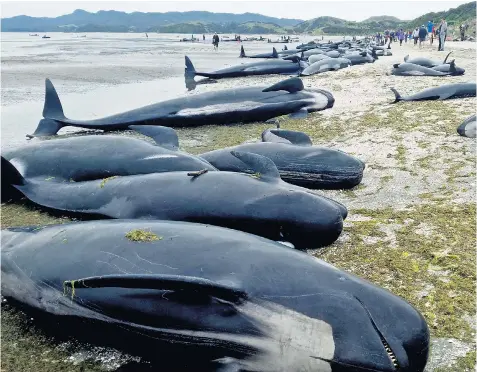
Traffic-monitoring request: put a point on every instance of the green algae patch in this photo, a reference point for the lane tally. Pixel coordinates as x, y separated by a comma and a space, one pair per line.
105, 180
256, 175
427, 256
142, 236
69, 283
49, 178
25, 347
25, 214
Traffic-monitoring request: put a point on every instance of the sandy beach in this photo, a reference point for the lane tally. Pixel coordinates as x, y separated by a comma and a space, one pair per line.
411, 225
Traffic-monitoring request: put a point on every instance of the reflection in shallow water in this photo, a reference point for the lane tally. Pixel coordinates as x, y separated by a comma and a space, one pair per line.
191, 84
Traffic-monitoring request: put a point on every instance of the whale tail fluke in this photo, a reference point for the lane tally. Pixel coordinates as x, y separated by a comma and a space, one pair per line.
397, 95
52, 112
242, 52
10, 177
189, 68
274, 53
52, 108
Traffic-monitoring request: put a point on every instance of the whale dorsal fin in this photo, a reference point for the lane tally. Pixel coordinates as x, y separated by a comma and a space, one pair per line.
291, 85
406, 58
163, 136
274, 53
286, 136
264, 168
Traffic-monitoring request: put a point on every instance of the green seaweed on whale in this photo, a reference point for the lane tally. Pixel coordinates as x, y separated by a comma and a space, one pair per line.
139, 235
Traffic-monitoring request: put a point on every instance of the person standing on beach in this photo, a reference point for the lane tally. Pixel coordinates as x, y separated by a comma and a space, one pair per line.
442, 34
203, 37
400, 36
215, 41
422, 35
415, 35
430, 26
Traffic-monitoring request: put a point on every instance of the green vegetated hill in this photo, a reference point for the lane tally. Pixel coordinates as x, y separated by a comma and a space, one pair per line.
336, 26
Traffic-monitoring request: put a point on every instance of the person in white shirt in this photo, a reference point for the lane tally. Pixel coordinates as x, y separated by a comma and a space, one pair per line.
415, 35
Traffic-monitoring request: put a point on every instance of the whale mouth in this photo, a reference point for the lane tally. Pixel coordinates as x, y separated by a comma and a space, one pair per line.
387, 347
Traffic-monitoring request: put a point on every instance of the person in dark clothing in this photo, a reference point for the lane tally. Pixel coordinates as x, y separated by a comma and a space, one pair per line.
439, 39
442, 34
215, 41
422, 35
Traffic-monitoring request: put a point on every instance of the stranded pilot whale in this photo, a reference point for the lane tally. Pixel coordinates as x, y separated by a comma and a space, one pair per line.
411, 69
205, 298
298, 162
273, 66
83, 158
260, 203
228, 106
448, 91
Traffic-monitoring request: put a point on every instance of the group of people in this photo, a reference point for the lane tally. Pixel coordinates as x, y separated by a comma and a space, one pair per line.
419, 34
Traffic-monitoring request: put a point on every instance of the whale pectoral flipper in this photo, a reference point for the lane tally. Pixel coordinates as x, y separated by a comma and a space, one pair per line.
163, 136
300, 114
263, 166
293, 137
397, 96
160, 282
447, 56
291, 85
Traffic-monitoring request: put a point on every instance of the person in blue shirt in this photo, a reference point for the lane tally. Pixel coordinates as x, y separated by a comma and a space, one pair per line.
430, 28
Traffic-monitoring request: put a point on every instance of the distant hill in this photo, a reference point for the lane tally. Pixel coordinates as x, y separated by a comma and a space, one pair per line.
236, 28
383, 19
337, 26
114, 21
247, 23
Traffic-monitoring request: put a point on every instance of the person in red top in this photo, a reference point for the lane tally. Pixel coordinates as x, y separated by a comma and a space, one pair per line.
432, 34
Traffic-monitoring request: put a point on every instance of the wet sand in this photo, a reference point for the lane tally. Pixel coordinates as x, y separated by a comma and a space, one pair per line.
412, 215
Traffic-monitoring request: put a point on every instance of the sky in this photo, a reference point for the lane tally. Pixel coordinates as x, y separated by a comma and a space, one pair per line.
349, 10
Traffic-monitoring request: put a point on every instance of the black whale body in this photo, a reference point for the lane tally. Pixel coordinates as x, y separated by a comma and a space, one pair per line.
220, 107
312, 167
92, 157
204, 298
260, 203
